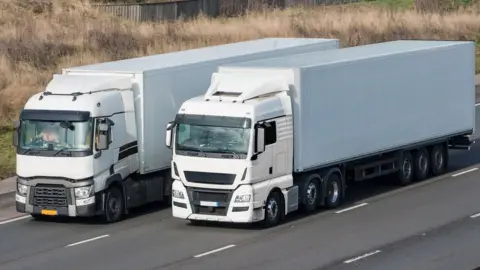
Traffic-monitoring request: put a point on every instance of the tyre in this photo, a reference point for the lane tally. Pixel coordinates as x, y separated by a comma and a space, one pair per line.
333, 196
273, 208
421, 164
114, 205
311, 194
405, 173
438, 160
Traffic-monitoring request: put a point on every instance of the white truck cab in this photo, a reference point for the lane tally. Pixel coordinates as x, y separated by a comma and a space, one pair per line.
66, 136
218, 174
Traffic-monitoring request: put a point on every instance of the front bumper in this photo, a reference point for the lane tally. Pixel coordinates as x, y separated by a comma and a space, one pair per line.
56, 200
215, 205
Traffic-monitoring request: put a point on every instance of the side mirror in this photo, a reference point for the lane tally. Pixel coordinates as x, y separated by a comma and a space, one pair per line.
16, 133
103, 127
260, 140
103, 141
16, 124
168, 134
103, 136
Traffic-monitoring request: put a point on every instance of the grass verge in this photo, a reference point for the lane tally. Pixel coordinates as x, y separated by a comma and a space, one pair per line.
39, 37
7, 154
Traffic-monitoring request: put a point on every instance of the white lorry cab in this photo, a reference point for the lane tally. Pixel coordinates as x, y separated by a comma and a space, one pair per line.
92, 143
275, 135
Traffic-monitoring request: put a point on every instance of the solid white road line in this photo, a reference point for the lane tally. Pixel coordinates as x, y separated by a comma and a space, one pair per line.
362, 256
88, 240
14, 219
475, 216
351, 208
213, 251
464, 172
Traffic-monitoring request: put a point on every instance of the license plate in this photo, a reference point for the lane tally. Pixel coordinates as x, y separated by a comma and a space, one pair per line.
49, 212
214, 204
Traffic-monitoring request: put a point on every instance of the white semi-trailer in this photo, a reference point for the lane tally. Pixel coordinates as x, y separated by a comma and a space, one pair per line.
92, 143
274, 135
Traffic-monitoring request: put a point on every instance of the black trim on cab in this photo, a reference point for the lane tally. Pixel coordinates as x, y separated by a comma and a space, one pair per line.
127, 150
55, 115
53, 153
210, 178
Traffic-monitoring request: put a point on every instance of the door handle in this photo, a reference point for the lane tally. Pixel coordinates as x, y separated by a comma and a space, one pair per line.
270, 170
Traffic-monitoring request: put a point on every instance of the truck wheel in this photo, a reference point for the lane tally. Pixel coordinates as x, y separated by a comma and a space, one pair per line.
114, 205
422, 164
273, 207
311, 195
333, 196
405, 174
437, 159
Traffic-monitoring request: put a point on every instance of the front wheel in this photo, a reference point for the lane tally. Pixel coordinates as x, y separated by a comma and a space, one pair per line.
272, 210
114, 205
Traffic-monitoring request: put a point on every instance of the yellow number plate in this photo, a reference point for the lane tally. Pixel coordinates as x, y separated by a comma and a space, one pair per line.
49, 212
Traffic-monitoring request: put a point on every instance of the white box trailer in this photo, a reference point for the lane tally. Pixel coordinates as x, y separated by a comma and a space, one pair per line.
117, 110
320, 119
365, 100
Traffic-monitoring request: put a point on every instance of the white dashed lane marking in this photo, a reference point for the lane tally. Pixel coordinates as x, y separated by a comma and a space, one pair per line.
351, 208
213, 251
362, 256
88, 240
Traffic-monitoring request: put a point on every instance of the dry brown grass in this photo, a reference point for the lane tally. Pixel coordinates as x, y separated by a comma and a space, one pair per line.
39, 37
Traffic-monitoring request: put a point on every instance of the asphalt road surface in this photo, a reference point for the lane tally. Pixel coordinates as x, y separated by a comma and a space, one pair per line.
454, 246
383, 227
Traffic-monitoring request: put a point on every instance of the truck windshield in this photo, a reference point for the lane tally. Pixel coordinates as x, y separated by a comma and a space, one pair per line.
55, 136
208, 134
212, 139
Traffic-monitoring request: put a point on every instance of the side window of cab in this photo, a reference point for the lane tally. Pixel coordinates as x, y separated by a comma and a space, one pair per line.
270, 133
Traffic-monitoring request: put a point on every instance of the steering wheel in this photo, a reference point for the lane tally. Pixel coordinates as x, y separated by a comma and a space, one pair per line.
38, 140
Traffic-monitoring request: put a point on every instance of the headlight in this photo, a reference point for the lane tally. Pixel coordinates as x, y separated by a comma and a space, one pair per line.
177, 194
22, 189
84, 192
243, 198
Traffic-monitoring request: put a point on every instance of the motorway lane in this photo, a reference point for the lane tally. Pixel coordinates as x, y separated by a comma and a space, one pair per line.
454, 246
156, 239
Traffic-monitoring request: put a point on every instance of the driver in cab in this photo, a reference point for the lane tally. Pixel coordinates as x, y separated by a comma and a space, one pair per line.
49, 134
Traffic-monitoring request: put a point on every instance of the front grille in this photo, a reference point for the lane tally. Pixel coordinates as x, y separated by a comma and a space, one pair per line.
50, 196
210, 178
221, 197
58, 192
55, 202
210, 196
